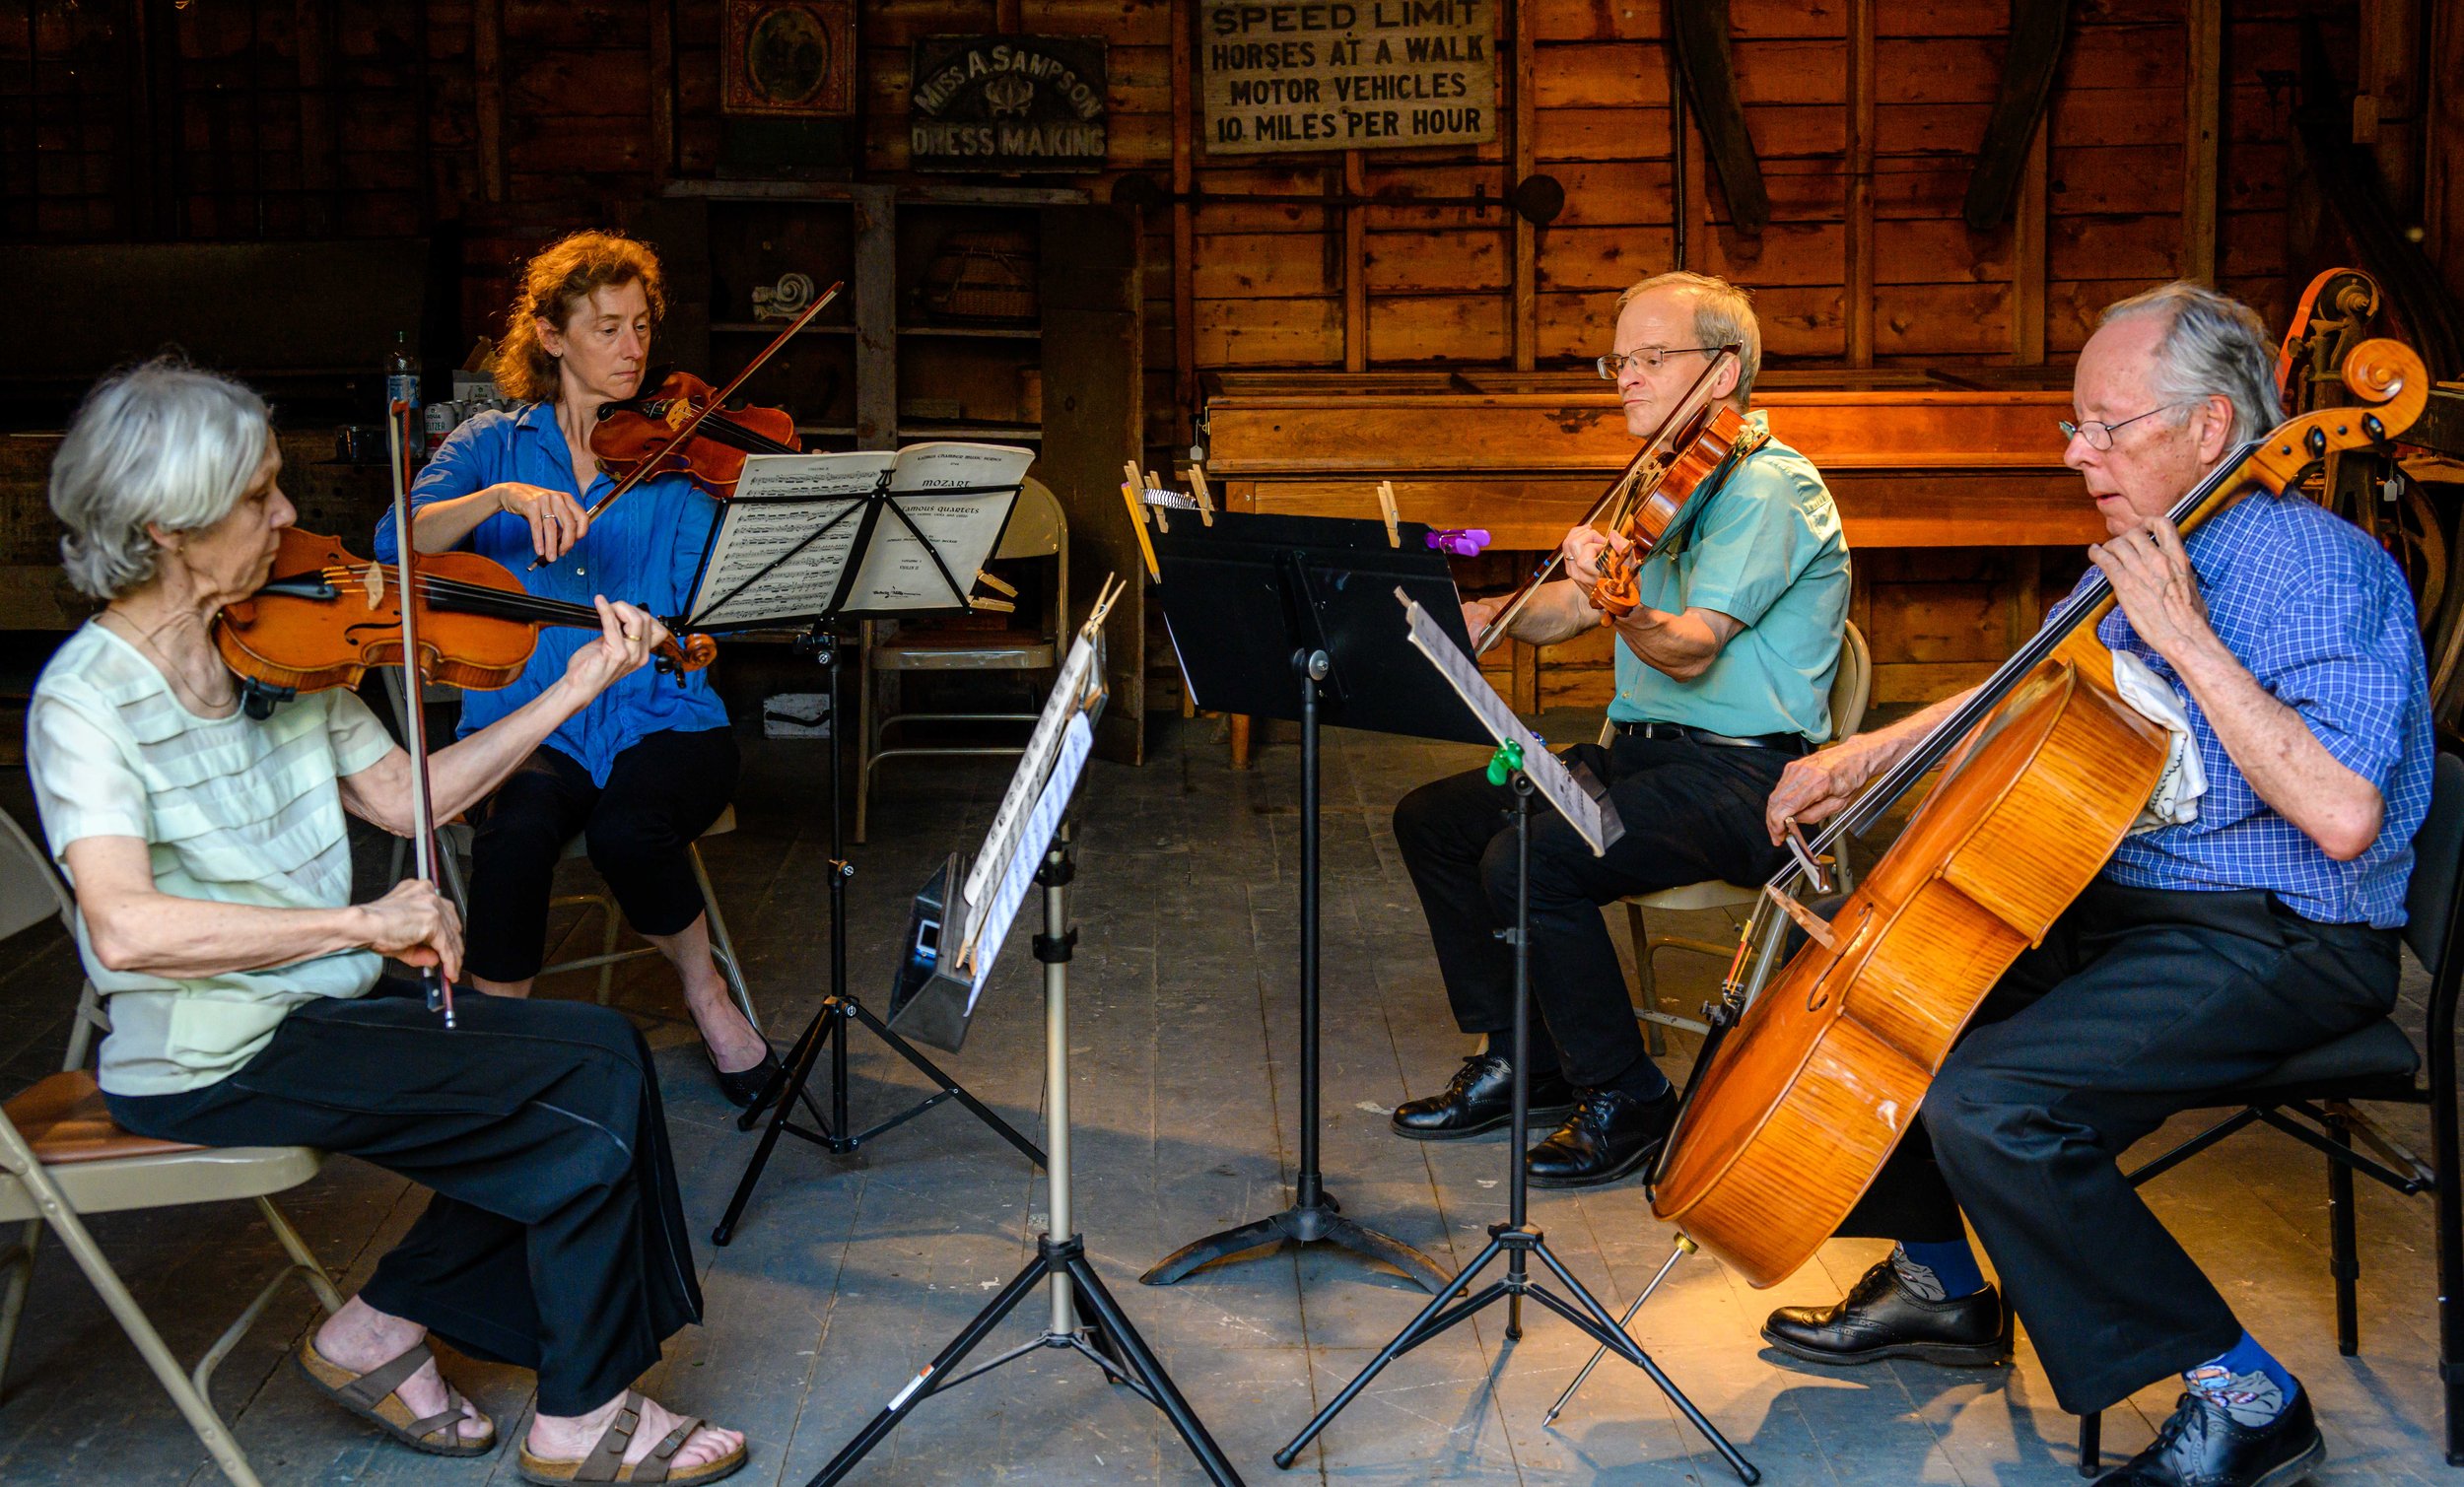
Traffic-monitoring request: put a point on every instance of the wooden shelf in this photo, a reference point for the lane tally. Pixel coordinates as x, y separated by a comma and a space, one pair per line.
773, 327
979, 332
939, 430
841, 190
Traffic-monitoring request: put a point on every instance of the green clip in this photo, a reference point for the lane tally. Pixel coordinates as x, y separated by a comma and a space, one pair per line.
1503, 764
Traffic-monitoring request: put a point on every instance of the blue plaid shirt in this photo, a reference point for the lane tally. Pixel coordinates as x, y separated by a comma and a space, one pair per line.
2323, 618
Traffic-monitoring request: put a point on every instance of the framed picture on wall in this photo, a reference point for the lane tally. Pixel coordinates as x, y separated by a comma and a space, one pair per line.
789, 57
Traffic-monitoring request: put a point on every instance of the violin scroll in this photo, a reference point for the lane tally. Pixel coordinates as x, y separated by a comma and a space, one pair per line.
687, 652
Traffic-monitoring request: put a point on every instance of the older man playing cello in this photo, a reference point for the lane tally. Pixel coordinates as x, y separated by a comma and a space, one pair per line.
2206, 954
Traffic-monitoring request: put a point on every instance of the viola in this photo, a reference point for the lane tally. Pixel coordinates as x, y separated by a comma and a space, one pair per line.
1706, 444
1635, 489
325, 615
677, 428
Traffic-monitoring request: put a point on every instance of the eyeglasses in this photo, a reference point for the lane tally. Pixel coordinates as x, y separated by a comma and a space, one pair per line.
1648, 358
2099, 437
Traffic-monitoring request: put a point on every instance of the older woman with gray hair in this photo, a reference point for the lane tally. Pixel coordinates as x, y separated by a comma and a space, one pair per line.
2207, 952
213, 879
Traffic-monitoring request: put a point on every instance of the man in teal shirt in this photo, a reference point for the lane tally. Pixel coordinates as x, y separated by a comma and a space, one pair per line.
1724, 674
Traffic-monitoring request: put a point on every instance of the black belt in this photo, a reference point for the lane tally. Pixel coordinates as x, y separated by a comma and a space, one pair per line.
1786, 743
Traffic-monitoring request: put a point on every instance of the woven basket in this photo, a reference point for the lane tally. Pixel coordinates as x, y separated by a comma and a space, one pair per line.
985, 274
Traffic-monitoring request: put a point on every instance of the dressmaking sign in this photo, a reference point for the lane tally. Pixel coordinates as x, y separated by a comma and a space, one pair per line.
1347, 74
1007, 104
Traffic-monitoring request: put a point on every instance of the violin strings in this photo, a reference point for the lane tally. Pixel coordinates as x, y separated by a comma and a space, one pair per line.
477, 595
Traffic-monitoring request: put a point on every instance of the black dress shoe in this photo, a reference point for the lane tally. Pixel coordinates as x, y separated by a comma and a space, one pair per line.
1480, 1098
1883, 1319
745, 1087
2204, 1446
1608, 1135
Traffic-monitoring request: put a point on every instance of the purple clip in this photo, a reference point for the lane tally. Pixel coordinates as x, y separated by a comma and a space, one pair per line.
1461, 542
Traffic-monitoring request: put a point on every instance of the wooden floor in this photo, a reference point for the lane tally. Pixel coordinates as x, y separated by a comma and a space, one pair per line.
848, 1275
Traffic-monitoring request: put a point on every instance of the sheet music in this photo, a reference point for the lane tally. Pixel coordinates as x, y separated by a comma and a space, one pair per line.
778, 503
783, 498
1027, 850
1081, 670
898, 573
1555, 784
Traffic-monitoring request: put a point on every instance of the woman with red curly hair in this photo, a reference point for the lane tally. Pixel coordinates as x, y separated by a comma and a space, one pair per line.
645, 769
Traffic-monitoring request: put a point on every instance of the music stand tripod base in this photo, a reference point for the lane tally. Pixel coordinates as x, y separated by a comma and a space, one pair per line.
1517, 1239
1110, 1342
1314, 1217
835, 1132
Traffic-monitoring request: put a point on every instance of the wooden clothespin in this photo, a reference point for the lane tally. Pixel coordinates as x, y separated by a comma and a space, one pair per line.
988, 601
1137, 486
1135, 495
1163, 523
1386, 504
1206, 499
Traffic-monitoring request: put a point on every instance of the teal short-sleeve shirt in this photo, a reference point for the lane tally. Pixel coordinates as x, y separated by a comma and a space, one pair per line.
1766, 551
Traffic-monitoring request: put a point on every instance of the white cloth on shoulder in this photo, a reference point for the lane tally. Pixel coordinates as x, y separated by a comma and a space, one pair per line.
2176, 799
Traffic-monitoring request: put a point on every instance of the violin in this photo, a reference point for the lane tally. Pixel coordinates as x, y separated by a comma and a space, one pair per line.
1716, 436
325, 617
645, 431
686, 408
1680, 434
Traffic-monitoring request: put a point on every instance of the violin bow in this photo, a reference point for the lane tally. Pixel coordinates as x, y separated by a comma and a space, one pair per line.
1697, 397
634, 476
439, 986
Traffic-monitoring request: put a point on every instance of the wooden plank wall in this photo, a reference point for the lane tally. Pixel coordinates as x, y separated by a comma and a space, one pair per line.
507, 122
517, 120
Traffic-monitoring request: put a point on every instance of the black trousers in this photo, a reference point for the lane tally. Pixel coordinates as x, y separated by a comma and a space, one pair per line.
554, 1240
2139, 1003
1691, 812
663, 794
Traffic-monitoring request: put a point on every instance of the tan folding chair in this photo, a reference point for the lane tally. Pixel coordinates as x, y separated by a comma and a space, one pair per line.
61, 1158
457, 836
1852, 688
1037, 529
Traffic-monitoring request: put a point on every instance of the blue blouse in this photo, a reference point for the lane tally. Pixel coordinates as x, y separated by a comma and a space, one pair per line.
643, 550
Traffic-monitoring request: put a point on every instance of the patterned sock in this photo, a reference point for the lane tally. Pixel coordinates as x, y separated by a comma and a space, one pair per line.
1938, 1271
2246, 1380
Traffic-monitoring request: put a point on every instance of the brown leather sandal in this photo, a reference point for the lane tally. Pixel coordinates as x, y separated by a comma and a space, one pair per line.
371, 1397
606, 1460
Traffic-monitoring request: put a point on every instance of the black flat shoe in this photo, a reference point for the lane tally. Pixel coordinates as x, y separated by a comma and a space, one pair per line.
745, 1088
1608, 1137
1881, 1319
1480, 1098
2204, 1446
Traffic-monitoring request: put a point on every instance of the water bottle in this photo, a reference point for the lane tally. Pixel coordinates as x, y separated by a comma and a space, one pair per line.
402, 377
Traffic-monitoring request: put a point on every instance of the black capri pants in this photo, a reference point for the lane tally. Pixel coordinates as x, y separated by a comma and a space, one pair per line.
663, 794
555, 1240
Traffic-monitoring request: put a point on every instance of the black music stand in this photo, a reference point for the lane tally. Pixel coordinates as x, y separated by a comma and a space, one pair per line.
835, 1132
1518, 1240
1294, 617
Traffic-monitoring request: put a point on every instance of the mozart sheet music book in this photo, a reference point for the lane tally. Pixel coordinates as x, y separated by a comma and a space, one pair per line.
869, 532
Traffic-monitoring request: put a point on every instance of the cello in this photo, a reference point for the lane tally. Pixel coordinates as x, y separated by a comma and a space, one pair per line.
1812, 1075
